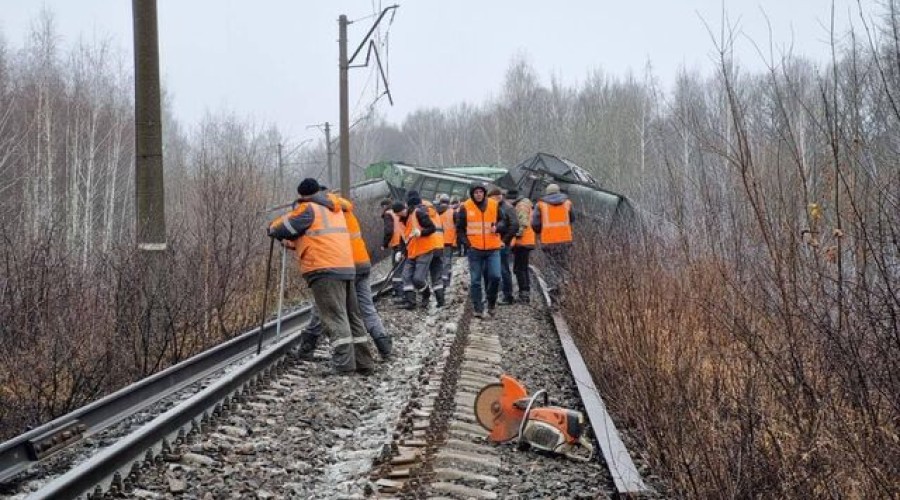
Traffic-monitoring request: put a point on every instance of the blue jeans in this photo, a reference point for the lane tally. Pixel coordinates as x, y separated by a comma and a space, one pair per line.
483, 264
506, 285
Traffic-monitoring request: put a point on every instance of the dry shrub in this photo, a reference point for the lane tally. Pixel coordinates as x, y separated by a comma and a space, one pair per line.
731, 393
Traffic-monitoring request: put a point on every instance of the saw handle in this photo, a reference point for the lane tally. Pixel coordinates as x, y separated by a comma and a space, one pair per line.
531, 400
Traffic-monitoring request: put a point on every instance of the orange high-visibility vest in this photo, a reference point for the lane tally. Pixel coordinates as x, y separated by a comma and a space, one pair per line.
325, 246
357, 243
527, 239
437, 237
555, 225
449, 227
478, 225
398, 230
418, 245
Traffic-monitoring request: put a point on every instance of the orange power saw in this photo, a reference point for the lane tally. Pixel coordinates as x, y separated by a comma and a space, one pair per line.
507, 412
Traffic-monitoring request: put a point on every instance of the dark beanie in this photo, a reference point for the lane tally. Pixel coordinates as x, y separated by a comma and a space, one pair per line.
413, 199
308, 187
397, 207
512, 193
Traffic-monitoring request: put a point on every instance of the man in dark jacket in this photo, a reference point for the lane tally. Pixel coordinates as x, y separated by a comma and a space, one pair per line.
511, 227
421, 252
552, 221
326, 262
478, 227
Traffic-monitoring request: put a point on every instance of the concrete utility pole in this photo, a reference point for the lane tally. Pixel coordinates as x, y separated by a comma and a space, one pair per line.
344, 65
345, 107
148, 180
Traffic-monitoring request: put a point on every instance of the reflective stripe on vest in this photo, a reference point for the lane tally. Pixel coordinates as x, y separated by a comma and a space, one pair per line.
479, 224
527, 239
449, 226
326, 244
398, 230
555, 225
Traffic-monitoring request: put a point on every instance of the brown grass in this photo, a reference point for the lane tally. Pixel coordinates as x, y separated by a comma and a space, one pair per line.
732, 394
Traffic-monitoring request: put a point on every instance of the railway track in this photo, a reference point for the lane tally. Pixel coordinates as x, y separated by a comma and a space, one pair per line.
97, 443
274, 427
442, 452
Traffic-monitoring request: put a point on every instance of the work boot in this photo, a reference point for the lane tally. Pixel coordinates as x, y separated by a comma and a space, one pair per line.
409, 300
384, 345
426, 297
506, 301
439, 296
307, 346
478, 314
525, 297
491, 312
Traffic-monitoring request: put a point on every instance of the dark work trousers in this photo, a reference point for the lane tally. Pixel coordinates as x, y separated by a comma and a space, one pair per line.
558, 263
339, 312
397, 278
520, 269
415, 272
367, 310
506, 284
447, 262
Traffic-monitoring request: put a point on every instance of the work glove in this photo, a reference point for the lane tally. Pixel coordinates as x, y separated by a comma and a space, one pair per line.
416, 233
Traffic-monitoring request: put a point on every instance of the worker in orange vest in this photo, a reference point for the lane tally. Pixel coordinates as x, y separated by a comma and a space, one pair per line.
393, 240
309, 337
318, 230
478, 226
424, 248
447, 214
522, 244
552, 222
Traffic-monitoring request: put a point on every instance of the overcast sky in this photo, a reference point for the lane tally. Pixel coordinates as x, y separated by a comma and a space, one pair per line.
276, 60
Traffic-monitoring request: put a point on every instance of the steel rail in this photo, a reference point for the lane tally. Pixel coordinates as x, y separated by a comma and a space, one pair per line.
118, 458
625, 475
18, 453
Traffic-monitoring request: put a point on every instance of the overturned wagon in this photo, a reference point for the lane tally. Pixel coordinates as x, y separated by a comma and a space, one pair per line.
532, 176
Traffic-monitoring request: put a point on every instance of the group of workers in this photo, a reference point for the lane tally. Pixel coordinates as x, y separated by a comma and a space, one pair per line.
492, 229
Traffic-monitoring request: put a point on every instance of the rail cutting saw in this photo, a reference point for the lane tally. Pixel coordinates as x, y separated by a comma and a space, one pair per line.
508, 413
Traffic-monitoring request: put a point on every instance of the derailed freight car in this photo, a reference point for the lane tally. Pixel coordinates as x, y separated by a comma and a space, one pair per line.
532, 176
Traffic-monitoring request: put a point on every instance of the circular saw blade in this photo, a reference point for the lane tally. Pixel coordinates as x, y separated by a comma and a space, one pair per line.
487, 405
